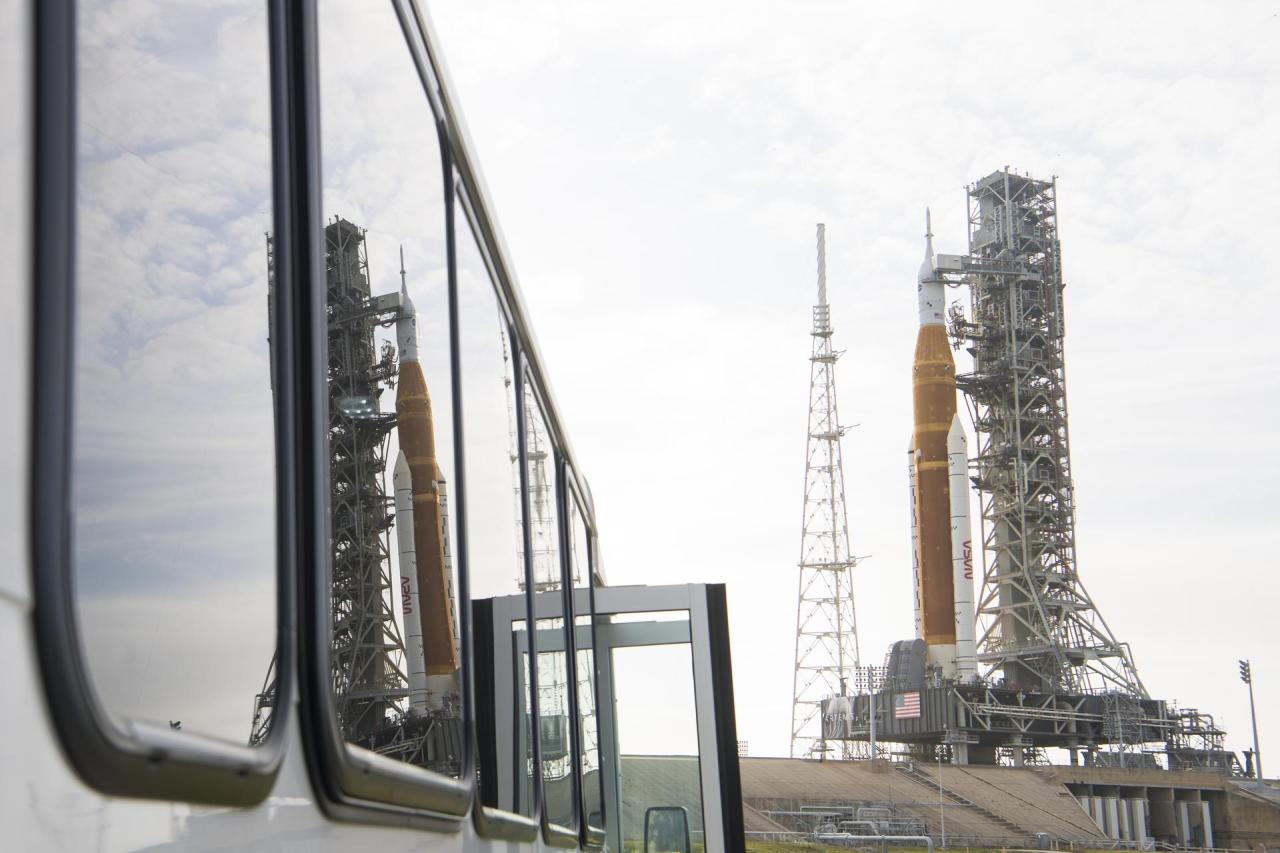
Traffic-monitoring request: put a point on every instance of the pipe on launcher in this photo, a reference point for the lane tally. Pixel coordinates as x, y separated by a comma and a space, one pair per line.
915, 537
409, 598
961, 552
416, 428
934, 403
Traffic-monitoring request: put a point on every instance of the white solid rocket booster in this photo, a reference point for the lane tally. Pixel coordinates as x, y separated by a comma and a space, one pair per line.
961, 551
414, 651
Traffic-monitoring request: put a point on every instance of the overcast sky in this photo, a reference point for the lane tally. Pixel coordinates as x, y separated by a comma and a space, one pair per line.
174, 538
658, 170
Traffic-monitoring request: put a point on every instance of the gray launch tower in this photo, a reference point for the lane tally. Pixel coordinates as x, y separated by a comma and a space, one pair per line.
367, 652
1038, 628
370, 684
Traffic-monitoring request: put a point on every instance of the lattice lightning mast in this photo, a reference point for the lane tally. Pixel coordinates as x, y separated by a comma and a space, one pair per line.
826, 628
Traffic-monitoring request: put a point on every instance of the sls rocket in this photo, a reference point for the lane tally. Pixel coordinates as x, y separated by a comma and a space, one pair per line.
938, 470
433, 655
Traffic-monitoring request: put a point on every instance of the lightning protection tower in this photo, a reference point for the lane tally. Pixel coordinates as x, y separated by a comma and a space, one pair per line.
1038, 628
826, 630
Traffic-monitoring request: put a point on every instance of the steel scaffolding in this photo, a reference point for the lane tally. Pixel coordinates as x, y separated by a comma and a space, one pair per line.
1038, 628
826, 629
367, 653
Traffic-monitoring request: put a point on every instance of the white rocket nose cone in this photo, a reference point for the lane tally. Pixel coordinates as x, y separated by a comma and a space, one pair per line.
926, 266
400, 473
407, 328
406, 304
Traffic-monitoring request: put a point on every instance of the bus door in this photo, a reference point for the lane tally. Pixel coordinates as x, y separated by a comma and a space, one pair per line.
667, 740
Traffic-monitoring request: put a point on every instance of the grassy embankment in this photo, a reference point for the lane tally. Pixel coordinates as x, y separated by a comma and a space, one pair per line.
809, 847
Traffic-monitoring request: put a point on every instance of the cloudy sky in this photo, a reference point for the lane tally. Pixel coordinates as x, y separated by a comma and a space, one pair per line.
658, 170
173, 490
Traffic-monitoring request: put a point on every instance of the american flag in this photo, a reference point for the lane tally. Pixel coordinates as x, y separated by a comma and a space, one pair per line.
906, 706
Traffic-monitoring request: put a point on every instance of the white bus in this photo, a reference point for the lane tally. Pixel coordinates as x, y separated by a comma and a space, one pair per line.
219, 633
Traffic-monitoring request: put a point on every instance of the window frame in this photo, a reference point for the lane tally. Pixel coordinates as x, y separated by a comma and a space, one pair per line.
140, 760
590, 837
490, 821
184, 766
472, 200
351, 783
554, 834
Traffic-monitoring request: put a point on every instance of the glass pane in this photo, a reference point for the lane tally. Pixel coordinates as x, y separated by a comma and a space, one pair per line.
395, 666
173, 450
15, 324
494, 557
657, 736
588, 720
554, 686
558, 783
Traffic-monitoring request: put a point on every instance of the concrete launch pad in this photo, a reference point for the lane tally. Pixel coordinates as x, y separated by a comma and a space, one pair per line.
1010, 807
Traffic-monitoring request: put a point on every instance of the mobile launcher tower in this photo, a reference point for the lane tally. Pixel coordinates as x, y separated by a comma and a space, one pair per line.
396, 698
1033, 665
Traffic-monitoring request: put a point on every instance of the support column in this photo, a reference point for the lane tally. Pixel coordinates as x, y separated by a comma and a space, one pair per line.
1124, 825
1098, 815
1206, 823
1138, 819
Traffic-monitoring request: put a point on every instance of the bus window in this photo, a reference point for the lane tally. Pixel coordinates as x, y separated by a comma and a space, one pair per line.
394, 657
559, 781
494, 557
173, 466
592, 801
657, 735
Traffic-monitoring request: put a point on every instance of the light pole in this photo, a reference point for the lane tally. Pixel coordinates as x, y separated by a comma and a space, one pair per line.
942, 806
1246, 675
871, 707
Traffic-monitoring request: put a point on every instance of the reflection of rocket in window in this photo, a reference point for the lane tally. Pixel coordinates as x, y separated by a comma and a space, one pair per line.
419, 487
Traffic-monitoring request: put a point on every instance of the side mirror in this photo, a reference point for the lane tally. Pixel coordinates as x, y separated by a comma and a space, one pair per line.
666, 830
